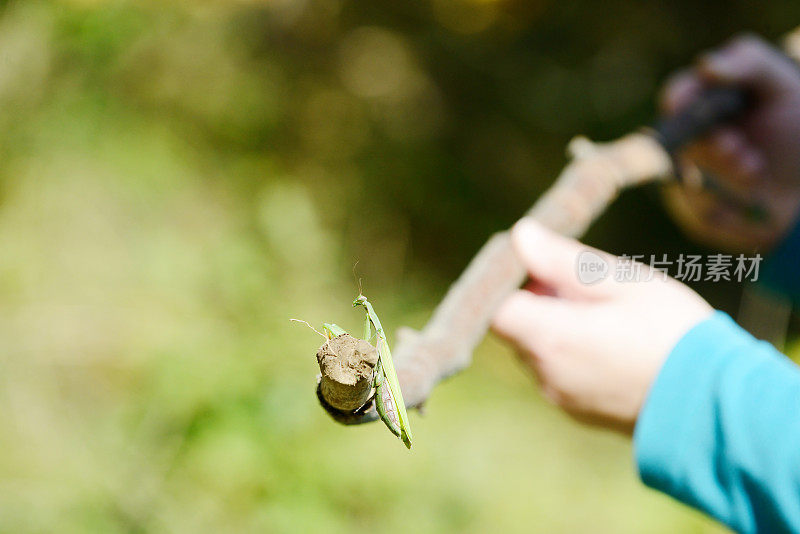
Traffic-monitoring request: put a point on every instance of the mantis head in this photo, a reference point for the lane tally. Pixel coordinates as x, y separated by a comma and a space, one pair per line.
360, 300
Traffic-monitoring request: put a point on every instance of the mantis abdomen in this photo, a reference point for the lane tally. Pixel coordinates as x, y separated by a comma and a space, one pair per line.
386, 403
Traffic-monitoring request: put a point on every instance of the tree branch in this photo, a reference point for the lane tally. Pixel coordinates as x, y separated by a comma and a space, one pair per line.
581, 193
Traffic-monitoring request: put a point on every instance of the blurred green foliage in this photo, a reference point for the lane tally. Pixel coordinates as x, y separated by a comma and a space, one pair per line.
179, 179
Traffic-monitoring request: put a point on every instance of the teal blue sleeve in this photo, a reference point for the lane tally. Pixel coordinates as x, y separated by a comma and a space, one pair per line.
720, 429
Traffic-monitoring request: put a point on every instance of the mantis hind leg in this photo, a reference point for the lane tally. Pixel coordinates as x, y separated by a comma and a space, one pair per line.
333, 330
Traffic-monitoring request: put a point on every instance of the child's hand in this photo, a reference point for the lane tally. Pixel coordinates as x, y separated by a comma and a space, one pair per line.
595, 348
758, 156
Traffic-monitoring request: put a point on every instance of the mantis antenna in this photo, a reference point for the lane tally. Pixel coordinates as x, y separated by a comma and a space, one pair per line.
356, 277
309, 325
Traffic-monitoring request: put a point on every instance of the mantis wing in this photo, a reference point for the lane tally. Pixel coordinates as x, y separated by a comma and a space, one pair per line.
388, 390
385, 403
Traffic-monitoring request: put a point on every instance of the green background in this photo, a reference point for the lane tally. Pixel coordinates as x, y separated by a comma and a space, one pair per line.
178, 179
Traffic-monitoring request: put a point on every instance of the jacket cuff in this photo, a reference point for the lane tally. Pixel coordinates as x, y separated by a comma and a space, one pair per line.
667, 430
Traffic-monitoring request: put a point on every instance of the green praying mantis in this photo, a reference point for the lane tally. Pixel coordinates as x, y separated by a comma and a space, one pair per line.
388, 397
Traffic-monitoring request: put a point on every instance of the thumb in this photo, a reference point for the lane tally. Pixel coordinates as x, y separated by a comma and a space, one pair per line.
750, 62
553, 260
